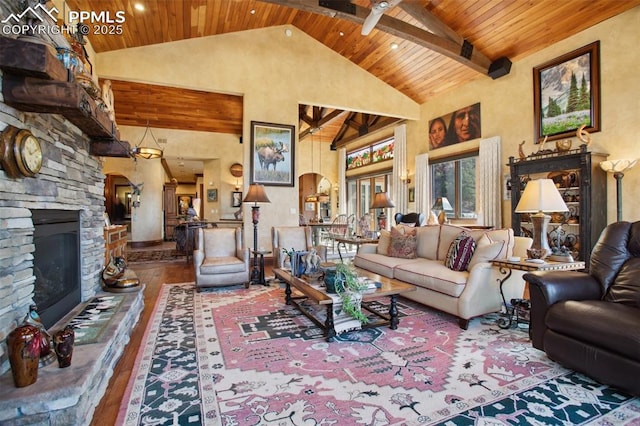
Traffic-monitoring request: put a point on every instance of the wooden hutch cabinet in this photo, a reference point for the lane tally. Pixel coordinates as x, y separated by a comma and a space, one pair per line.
583, 186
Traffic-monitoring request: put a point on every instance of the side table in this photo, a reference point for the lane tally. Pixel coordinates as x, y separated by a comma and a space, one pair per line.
506, 267
259, 279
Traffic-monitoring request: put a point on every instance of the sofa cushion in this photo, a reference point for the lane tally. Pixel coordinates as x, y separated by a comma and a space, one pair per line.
626, 287
460, 252
485, 252
379, 263
433, 275
428, 237
403, 244
383, 242
602, 324
505, 235
221, 265
448, 233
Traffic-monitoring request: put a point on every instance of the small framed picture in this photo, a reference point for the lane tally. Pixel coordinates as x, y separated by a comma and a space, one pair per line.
212, 195
412, 195
236, 199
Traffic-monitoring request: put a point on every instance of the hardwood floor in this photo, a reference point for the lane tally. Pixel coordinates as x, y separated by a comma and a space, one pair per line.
153, 275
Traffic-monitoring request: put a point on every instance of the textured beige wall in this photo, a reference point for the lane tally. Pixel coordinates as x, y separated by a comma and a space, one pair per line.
507, 106
274, 73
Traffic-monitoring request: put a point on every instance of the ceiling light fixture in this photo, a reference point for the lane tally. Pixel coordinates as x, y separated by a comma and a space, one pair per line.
394, 45
252, 11
148, 153
139, 7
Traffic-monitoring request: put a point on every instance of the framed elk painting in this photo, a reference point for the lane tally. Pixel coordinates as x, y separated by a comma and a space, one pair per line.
272, 154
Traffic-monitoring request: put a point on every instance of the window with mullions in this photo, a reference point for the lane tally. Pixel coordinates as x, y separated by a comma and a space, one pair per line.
455, 179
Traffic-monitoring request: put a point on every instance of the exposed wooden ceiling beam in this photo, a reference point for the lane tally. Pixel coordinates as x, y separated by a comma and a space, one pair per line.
383, 123
476, 60
320, 118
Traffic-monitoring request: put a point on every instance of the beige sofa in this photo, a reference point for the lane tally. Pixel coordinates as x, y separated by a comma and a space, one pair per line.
465, 294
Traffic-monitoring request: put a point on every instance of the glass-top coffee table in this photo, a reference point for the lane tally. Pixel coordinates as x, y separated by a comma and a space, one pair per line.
337, 322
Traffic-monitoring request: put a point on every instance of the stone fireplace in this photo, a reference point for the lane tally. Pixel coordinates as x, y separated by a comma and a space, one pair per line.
67, 193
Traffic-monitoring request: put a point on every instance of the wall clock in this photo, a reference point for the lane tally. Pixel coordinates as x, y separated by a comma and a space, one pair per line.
21, 152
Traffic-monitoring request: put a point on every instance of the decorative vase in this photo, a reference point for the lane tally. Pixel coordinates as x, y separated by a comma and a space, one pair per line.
63, 343
23, 345
329, 271
47, 352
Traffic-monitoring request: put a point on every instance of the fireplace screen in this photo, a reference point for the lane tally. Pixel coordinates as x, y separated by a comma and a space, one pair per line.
56, 264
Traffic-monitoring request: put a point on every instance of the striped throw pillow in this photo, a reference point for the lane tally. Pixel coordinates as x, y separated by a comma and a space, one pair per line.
460, 252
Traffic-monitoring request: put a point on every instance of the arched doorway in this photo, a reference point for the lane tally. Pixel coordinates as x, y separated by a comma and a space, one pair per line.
314, 195
118, 199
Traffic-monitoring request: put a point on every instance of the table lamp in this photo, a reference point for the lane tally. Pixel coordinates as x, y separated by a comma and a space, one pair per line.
382, 201
617, 167
255, 195
443, 205
540, 196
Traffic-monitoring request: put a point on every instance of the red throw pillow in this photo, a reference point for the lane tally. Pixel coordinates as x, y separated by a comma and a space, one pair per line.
403, 245
460, 252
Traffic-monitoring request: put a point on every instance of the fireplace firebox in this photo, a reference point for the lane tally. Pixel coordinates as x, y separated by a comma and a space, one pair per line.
56, 263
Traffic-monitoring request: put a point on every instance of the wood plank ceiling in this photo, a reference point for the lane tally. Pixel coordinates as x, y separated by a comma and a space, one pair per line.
496, 28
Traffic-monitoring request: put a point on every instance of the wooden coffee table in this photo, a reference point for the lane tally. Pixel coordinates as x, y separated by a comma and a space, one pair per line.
315, 292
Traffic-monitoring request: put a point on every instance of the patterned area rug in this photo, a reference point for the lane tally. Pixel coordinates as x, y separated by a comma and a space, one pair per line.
148, 256
237, 356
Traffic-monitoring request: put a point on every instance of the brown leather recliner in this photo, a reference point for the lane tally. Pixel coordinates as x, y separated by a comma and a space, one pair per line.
590, 322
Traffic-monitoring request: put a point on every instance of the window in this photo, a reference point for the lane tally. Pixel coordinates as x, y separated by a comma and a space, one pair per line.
455, 179
360, 193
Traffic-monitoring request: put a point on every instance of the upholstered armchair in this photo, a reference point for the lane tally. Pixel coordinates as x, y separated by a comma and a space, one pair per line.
219, 258
293, 237
417, 218
589, 322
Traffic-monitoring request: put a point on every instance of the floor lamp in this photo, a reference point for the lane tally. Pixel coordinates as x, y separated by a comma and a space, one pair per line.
617, 167
540, 196
382, 201
255, 195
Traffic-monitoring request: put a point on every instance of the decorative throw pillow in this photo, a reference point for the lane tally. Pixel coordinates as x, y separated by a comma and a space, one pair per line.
383, 242
485, 253
403, 244
460, 252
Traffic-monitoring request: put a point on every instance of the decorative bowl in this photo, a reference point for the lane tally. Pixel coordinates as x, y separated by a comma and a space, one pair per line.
535, 253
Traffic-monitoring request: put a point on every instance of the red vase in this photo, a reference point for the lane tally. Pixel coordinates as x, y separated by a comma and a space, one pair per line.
23, 345
63, 343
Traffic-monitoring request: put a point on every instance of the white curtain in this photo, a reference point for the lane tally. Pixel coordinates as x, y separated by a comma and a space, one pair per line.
490, 208
398, 187
342, 181
423, 185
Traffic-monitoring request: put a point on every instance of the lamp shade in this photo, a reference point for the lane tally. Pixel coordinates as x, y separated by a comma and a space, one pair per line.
382, 201
147, 153
256, 194
617, 166
541, 195
442, 204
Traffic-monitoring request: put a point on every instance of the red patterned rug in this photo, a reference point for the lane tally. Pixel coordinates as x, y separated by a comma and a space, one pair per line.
238, 356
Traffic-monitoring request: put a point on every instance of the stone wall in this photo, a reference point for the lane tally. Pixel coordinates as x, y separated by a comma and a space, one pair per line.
70, 179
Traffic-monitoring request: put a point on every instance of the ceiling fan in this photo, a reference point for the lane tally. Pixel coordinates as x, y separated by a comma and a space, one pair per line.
378, 8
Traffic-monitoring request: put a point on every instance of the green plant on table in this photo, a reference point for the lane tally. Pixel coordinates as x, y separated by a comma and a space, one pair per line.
350, 291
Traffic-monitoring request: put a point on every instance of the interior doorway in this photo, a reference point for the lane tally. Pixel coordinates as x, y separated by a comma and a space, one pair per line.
118, 198
314, 195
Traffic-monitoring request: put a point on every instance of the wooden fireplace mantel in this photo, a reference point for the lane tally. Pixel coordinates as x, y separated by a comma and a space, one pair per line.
34, 80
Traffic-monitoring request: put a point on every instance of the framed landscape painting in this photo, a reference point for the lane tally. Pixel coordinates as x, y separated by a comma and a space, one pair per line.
567, 94
272, 154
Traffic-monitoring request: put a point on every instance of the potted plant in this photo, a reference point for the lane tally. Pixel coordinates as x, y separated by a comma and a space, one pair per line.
350, 291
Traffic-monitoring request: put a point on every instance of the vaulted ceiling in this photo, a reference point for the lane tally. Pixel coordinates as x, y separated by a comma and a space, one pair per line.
439, 45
